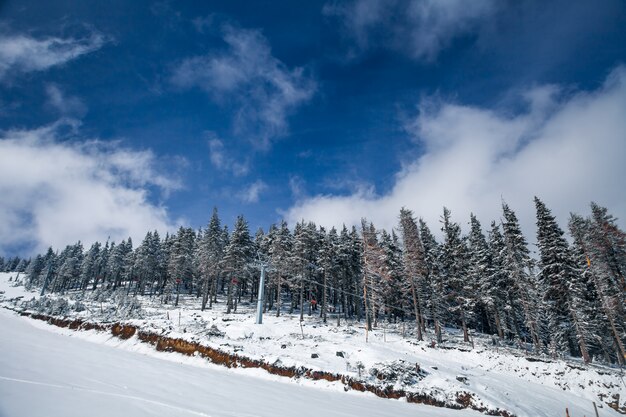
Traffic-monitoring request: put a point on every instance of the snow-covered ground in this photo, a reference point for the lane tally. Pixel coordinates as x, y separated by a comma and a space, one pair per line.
44, 373
497, 377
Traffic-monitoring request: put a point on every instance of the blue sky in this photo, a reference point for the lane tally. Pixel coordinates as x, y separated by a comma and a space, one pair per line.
120, 117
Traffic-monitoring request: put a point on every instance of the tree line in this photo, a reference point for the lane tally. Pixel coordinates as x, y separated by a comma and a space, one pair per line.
569, 300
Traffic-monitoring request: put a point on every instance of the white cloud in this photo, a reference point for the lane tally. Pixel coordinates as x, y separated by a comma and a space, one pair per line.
263, 90
566, 149
56, 192
251, 193
23, 54
419, 28
64, 104
297, 186
220, 160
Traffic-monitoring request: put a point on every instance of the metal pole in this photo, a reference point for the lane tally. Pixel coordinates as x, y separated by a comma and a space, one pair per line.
259, 306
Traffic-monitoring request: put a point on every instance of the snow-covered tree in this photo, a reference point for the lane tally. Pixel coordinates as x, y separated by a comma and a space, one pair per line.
556, 276
459, 290
237, 258
415, 269
480, 274
518, 267
435, 302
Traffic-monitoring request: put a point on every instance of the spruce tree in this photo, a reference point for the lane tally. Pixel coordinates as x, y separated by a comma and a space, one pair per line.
518, 267
210, 251
238, 255
435, 302
454, 263
414, 264
480, 272
556, 276
500, 287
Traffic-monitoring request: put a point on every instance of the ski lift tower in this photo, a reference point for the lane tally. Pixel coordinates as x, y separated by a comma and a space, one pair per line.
259, 307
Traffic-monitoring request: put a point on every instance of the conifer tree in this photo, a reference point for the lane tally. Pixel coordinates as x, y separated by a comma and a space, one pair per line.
556, 276
89, 265
34, 271
414, 264
458, 288
237, 257
435, 301
327, 261
499, 287
480, 273
518, 267
396, 293
599, 240
210, 252
280, 255
180, 261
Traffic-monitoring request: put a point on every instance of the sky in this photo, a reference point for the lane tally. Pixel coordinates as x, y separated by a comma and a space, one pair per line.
121, 117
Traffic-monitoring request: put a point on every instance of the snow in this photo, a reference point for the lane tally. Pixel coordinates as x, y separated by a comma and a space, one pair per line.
45, 373
497, 377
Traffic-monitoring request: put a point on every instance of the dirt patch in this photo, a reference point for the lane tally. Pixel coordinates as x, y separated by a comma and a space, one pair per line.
123, 331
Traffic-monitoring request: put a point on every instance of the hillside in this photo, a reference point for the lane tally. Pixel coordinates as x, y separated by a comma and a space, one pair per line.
495, 379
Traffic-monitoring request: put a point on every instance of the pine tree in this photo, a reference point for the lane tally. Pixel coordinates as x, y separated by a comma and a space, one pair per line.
89, 265
435, 301
556, 276
454, 262
374, 272
480, 274
101, 265
600, 241
327, 261
69, 269
414, 264
499, 286
237, 258
303, 258
518, 267
34, 271
180, 262
280, 255
396, 292
148, 265
346, 274
209, 257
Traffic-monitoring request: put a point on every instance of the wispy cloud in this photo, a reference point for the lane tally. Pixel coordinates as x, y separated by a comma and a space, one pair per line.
57, 191
63, 104
247, 76
568, 149
222, 161
251, 193
24, 54
419, 28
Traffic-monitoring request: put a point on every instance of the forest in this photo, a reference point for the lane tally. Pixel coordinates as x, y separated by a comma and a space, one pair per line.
568, 300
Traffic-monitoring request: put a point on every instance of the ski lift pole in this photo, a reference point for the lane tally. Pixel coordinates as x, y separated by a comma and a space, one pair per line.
259, 306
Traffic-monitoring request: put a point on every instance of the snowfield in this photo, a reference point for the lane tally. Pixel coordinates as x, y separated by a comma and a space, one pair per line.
44, 373
46, 370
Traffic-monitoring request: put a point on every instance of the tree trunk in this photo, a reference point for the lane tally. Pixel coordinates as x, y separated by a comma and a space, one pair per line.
301, 299
229, 297
417, 311
324, 299
498, 324
206, 292
278, 300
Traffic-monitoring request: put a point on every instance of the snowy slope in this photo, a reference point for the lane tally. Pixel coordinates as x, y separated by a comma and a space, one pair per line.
43, 373
498, 378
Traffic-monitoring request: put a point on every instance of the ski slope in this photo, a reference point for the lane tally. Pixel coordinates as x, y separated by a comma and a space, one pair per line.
46, 373
71, 369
